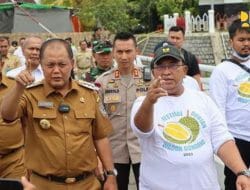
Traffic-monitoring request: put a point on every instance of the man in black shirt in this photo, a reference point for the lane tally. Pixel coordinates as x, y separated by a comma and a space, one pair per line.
176, 37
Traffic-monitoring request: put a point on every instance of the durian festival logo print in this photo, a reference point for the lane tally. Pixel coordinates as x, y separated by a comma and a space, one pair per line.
245, 18
185, 131
244, 89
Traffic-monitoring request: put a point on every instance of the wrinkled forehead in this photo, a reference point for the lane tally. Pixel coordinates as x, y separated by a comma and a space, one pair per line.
55, 51
32, 41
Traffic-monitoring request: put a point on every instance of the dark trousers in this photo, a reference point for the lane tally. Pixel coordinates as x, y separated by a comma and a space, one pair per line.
230, 177
123, 175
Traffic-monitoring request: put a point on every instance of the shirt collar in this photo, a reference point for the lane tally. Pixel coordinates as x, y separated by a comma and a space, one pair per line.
49, 90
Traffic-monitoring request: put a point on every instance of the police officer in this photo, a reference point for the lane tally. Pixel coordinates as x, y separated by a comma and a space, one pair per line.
119, 88
11, 139
103, 60
65, 127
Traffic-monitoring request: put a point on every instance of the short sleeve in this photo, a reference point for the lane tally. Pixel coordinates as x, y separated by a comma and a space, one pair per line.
102, 126
135, 108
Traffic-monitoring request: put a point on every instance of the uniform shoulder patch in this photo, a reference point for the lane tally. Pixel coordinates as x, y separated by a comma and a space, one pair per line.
87, 85
34, 84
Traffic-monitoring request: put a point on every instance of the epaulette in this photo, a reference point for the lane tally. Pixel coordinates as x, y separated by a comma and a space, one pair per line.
34, 84
87, 85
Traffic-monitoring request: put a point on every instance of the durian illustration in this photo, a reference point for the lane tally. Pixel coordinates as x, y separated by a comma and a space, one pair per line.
177, 133
184, 131
192, 124
244, 89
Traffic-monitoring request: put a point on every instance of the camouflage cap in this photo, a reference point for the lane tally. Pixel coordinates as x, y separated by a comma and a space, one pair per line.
167, 51
102, 47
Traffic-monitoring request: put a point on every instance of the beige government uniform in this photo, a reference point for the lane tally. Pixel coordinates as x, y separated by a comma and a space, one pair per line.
62, 144
117, 97
10, 62
11, 142
84, 62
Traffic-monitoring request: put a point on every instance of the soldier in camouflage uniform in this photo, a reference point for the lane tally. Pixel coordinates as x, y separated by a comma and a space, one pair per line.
102, 53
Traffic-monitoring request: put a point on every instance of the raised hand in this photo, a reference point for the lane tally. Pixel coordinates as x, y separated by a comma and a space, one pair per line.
156, 91
24, 78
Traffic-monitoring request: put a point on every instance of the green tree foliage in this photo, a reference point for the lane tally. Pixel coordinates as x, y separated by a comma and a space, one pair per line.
177, 6
145, 11
112, 14
125, 15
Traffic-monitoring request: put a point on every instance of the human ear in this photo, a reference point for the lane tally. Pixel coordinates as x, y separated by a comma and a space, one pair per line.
231, 42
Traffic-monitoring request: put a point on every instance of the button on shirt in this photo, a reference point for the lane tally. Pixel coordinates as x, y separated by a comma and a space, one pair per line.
37, 73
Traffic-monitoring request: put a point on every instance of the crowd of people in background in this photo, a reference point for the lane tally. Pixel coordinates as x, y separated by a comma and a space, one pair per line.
80, 116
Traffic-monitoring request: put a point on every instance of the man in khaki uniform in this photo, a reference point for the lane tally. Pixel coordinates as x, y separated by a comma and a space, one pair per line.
84, 60
11, 140
10, 61
65, 127
119, 88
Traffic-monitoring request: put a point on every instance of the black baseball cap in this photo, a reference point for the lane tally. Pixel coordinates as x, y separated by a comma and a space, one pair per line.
167, 51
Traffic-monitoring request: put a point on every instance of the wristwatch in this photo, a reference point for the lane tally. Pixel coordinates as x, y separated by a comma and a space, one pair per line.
111, 172
245, 172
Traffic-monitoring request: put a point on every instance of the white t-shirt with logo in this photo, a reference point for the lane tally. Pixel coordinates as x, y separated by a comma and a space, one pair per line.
230, 89
178, 153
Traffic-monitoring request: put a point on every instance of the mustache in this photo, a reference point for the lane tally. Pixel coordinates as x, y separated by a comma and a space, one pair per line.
246, 48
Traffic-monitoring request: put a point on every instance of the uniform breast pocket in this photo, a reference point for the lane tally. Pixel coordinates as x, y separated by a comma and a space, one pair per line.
84, 120
13, 131
45, 121
113, 109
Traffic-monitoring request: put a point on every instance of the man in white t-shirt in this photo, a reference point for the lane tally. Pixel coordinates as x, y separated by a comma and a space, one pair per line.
31, 50
230, 88
180, 130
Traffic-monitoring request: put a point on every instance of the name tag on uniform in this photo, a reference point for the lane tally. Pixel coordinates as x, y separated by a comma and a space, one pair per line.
141, 91
45, 104
112, 96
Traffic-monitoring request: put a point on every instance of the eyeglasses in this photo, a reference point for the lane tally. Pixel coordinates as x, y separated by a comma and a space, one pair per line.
170, 67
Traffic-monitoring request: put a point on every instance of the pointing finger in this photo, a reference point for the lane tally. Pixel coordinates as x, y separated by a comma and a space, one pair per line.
157, 83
